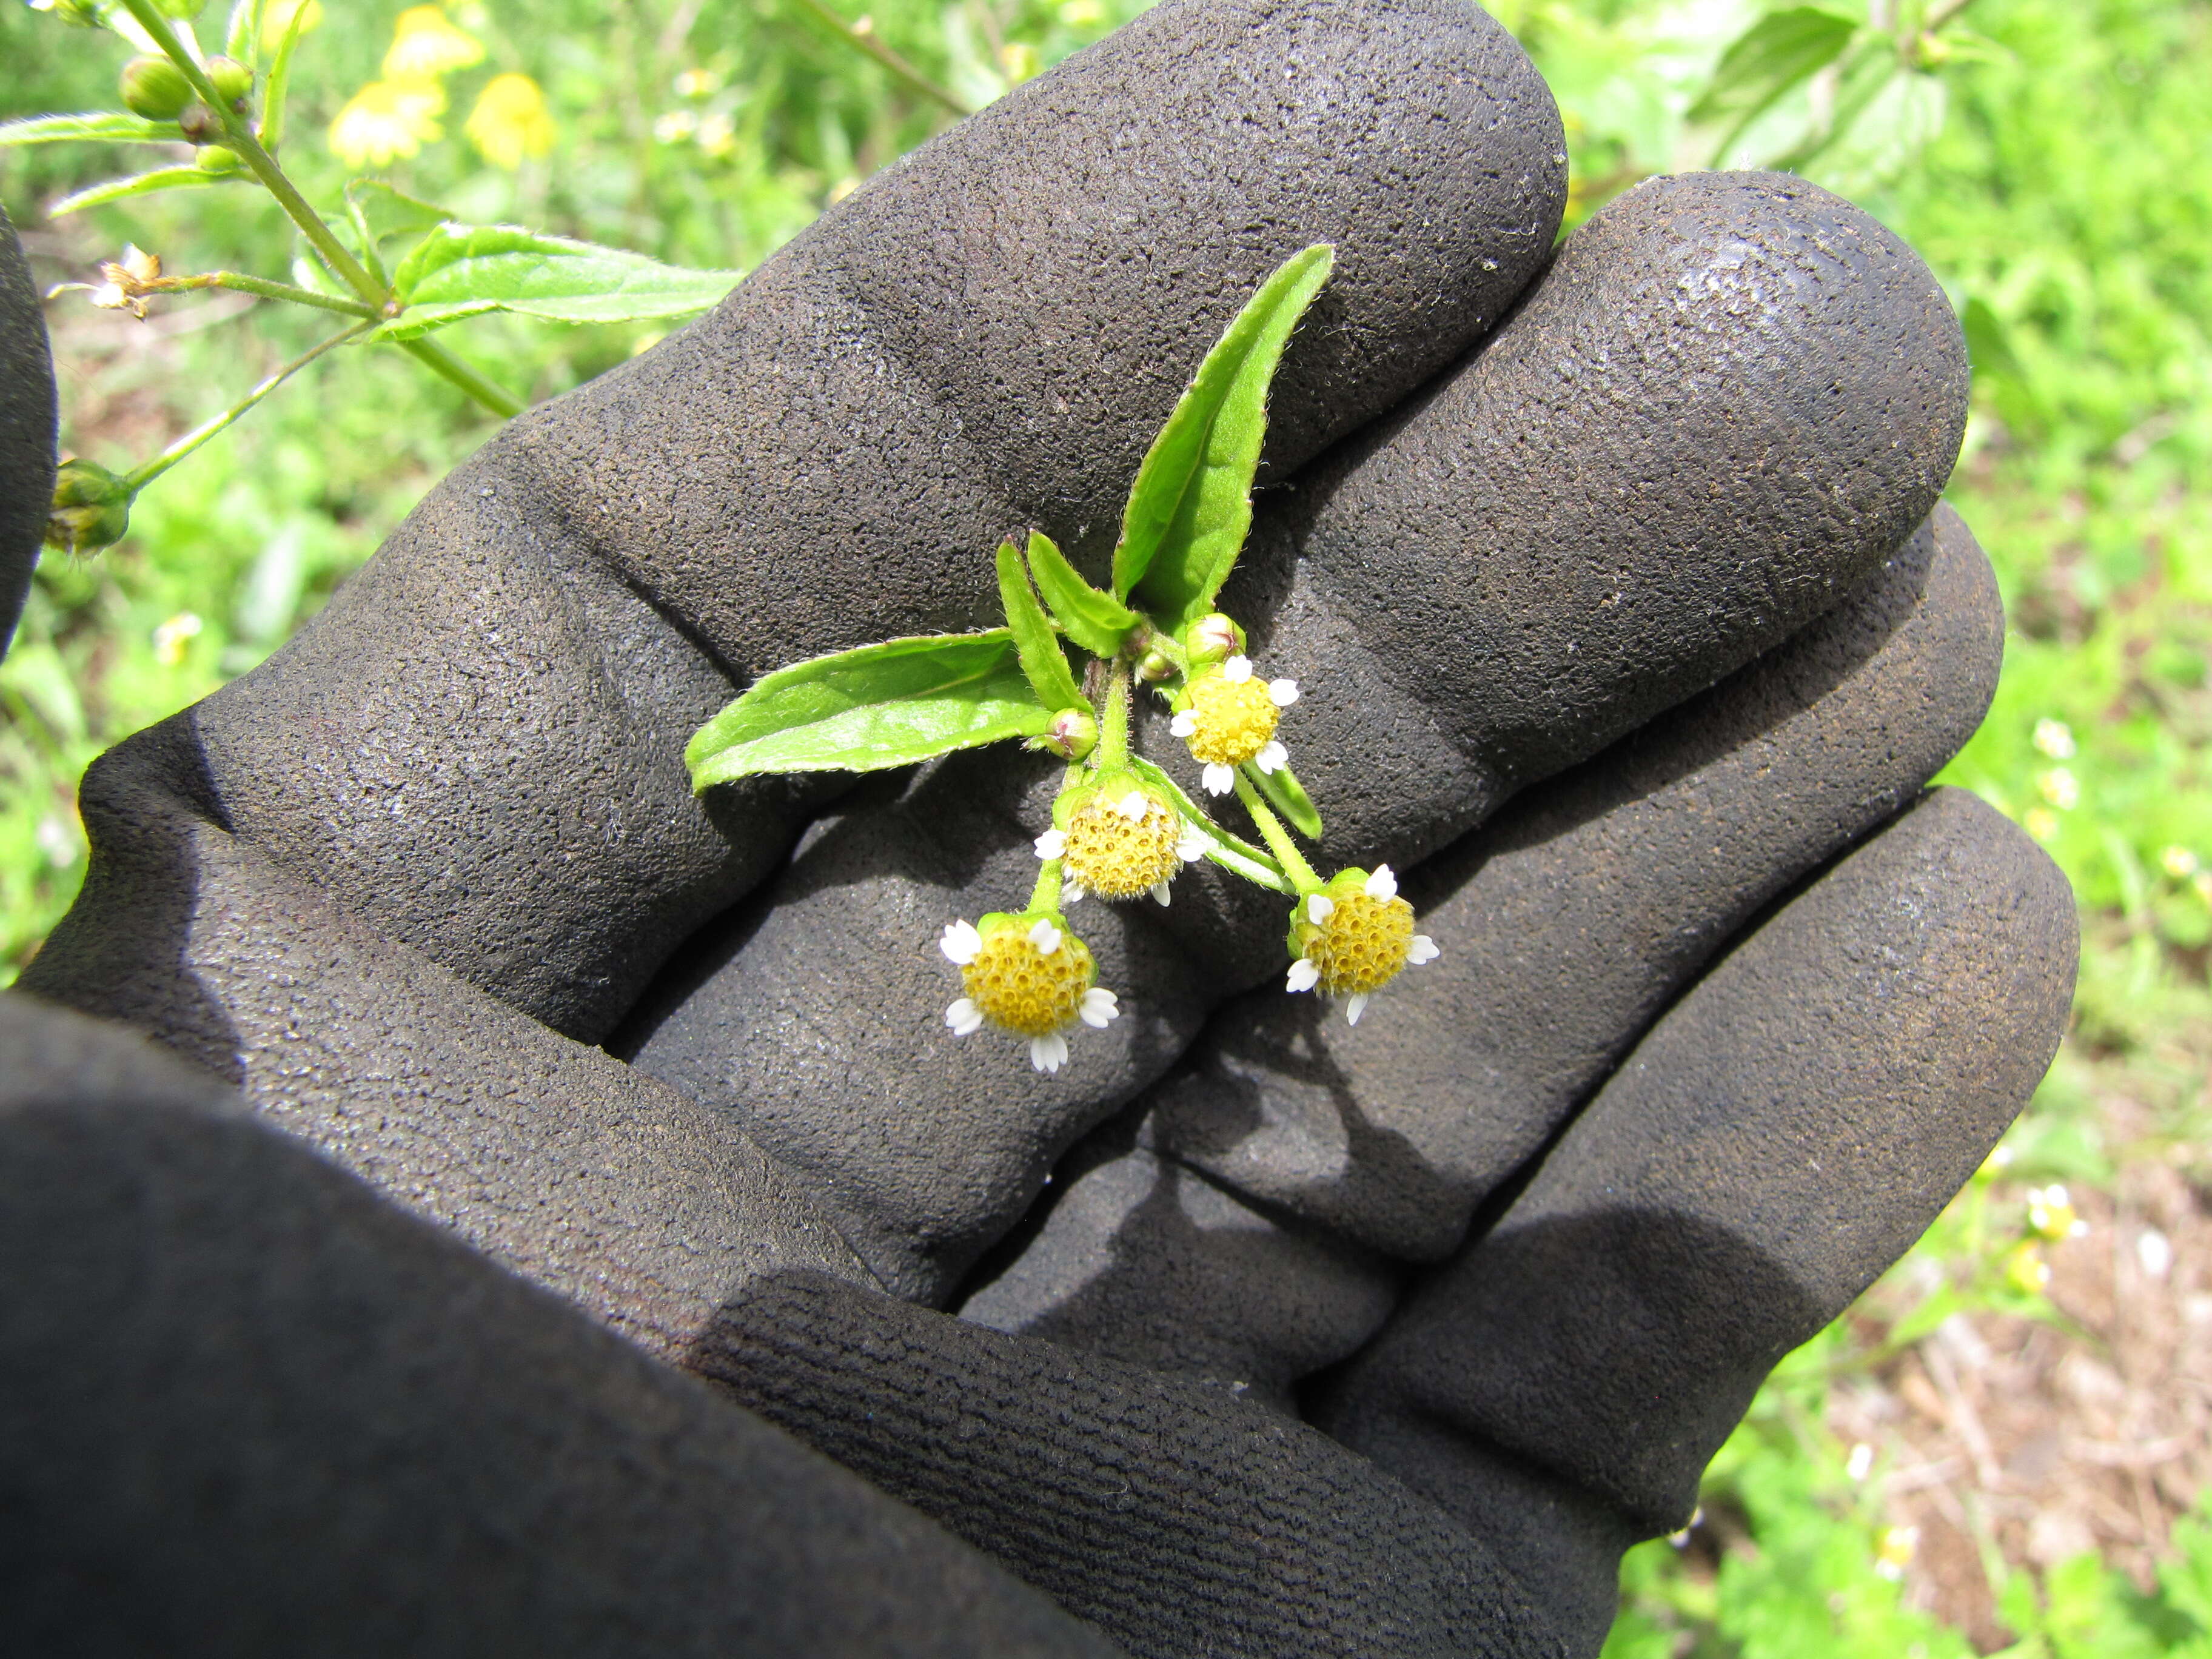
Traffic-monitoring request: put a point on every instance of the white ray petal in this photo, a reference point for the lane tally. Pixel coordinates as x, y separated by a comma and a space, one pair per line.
1381, 885
1100, 1007
1072, 892
1272, 756
961, 943
1160, 894
1183, 724
1423, 948
1303, 976
1285, 692
1218, 779
964, 1016
1048, 1054
1133, 805
1051, 844
1353, 1008
1191, 845
1236, 670
1320, 906
1045, 937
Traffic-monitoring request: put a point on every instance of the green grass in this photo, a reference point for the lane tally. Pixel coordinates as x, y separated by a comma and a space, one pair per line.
2066, 205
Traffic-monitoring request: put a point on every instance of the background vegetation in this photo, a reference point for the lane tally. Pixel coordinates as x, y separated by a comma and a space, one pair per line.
2001, 1447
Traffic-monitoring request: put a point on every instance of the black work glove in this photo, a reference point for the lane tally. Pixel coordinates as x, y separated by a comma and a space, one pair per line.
1372, 1339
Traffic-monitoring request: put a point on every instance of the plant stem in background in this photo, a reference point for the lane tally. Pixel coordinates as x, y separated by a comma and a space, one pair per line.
239, 283
863, 35
140, 476
238, 135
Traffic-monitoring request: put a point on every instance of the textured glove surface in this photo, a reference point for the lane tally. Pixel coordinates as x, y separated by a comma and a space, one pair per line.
1622, 619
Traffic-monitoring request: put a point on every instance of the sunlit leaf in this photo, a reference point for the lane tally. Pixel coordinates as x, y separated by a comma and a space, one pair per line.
883, 705
95, 127
465, 270
1097, 621
1038, 647
1192, 502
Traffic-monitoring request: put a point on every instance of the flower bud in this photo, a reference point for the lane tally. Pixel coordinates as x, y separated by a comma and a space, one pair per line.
1152, 668
214, 158
199, 124
233, 80
1213, 638
156, 88
78, 14
91, 508
1072, 734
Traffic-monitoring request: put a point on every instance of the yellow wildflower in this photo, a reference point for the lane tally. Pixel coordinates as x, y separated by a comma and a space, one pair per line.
387, 120
510, 121
1030, 977
425, 46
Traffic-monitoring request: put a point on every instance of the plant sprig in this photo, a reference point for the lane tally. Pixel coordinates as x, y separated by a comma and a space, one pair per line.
447, 271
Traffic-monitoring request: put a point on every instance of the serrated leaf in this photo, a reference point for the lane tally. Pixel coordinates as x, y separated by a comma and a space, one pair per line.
1775, 54
1095, 621
883, 705
465, 270
142, 184
1191, 505
95, 127
390, 212
1035, 643
1231, 852
1288, 797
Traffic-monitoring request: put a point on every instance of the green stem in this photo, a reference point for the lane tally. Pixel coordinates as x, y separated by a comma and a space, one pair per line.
140, 476
1045, 896
1278, 838
240, 282
866, 40
1113, 750
238, 135
441, 362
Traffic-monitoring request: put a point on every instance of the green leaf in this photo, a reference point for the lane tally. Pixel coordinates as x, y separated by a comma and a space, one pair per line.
142, 184
1192, 503
98, 126
1288, 796
1989, 343
465, 270
1193, 496
882, 705
1035, 643
1231, 852
1779, 51
279, 85
1095, 621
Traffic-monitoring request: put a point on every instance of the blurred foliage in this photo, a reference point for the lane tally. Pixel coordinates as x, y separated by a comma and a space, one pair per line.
2046, 156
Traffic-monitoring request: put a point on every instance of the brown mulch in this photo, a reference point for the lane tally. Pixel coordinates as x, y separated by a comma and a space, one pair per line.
2004, 1440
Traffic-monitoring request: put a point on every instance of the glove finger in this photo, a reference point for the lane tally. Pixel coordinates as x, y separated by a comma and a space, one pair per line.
1249, 1230
1579, 563
1781, 1137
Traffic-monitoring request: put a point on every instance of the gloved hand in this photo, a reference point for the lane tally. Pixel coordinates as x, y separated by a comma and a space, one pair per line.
1629, 638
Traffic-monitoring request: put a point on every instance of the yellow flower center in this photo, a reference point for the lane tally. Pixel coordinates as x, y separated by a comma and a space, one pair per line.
1231, 719
1022, 989
1362, 945
1117, 856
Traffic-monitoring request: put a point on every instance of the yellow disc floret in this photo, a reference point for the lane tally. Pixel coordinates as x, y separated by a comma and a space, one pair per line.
1231, 719
1120, 841
1361, 944
1028, 974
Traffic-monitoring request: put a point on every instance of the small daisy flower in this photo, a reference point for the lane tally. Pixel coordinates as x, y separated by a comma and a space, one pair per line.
1030, 977
1118, 839
2051, 1214
1353, 937
1229, 718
